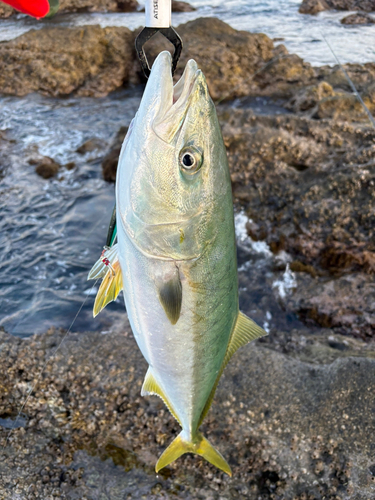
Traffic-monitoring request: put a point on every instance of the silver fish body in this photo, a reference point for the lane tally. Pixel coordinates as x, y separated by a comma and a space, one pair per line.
177, 252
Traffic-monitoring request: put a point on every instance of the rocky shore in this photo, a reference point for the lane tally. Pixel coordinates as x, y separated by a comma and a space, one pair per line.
294, 411
99, 6
293, 416
94, 61
315, 6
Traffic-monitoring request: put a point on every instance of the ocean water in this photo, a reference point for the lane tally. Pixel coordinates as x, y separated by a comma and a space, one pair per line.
279, 19
52, 231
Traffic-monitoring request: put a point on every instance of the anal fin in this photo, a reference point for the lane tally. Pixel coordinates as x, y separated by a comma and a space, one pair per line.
151, 387
245, 330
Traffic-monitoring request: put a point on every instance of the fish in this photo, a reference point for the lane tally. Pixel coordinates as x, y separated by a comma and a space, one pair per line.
175, 256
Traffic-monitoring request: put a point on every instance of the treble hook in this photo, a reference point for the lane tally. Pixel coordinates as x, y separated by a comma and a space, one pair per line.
145, 35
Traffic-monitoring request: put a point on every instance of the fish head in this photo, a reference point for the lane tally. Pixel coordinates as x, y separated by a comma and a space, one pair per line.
173, 172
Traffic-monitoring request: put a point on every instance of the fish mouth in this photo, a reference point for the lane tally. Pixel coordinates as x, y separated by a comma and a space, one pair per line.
174, 100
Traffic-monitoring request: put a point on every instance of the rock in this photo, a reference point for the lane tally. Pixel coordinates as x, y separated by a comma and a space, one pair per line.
308, 97
178, 6
98, 6
109, 164
296, 423
236, 63
289, 166
346, 304
6, 11
358, 18
90, 145
309, 188
90, 61
315, 6
333, 97
45, 166
70, 166
84, 6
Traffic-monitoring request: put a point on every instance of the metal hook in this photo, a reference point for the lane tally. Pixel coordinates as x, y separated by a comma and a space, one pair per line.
145, 35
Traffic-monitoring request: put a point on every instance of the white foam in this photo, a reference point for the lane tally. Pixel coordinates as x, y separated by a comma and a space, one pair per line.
287, 283
244, 240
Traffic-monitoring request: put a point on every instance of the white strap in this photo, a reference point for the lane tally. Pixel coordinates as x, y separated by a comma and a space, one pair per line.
158, 13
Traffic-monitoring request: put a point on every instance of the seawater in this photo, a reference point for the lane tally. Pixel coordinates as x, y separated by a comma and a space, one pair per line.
302, 34
52, 231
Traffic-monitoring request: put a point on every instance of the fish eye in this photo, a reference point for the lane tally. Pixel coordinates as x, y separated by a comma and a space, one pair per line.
190, 159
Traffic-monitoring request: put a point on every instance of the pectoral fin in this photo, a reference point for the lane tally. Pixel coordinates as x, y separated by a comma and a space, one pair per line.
245, 330
170, 296
151, 387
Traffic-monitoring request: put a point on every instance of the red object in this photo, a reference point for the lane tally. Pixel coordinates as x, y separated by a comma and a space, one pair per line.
35, 8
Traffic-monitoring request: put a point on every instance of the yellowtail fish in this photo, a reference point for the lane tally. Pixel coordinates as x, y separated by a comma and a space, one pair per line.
176, 254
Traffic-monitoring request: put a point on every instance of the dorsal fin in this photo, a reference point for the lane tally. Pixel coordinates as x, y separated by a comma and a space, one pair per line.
245, 330
170, 296
151, 387
109, 289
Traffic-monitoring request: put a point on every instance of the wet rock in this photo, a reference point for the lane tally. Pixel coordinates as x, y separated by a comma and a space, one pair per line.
70, 166
308, 187
236, 63
90, 61
98, 6
296, 423
83, 6
345, 304
178, 6
332, 96
358, 18
6, 11
109, 164
91, 145
45, 167
315, 6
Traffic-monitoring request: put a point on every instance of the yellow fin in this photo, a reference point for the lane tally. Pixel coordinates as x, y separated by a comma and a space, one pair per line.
151, 387
199, 445
245, 330
110, 287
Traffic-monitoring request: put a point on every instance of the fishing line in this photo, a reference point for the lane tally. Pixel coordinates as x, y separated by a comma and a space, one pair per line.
45, 364
370, 117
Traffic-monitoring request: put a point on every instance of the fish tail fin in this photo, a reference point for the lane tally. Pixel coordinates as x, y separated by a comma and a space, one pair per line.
199, 445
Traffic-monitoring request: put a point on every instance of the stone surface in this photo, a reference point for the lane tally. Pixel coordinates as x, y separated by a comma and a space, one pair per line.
45, 166
6, 11
236, 63
90, 145
93, 61
308, 187
293, 415
358, 18
90, 61
315, 6
98, 6
83, 6
178, 6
